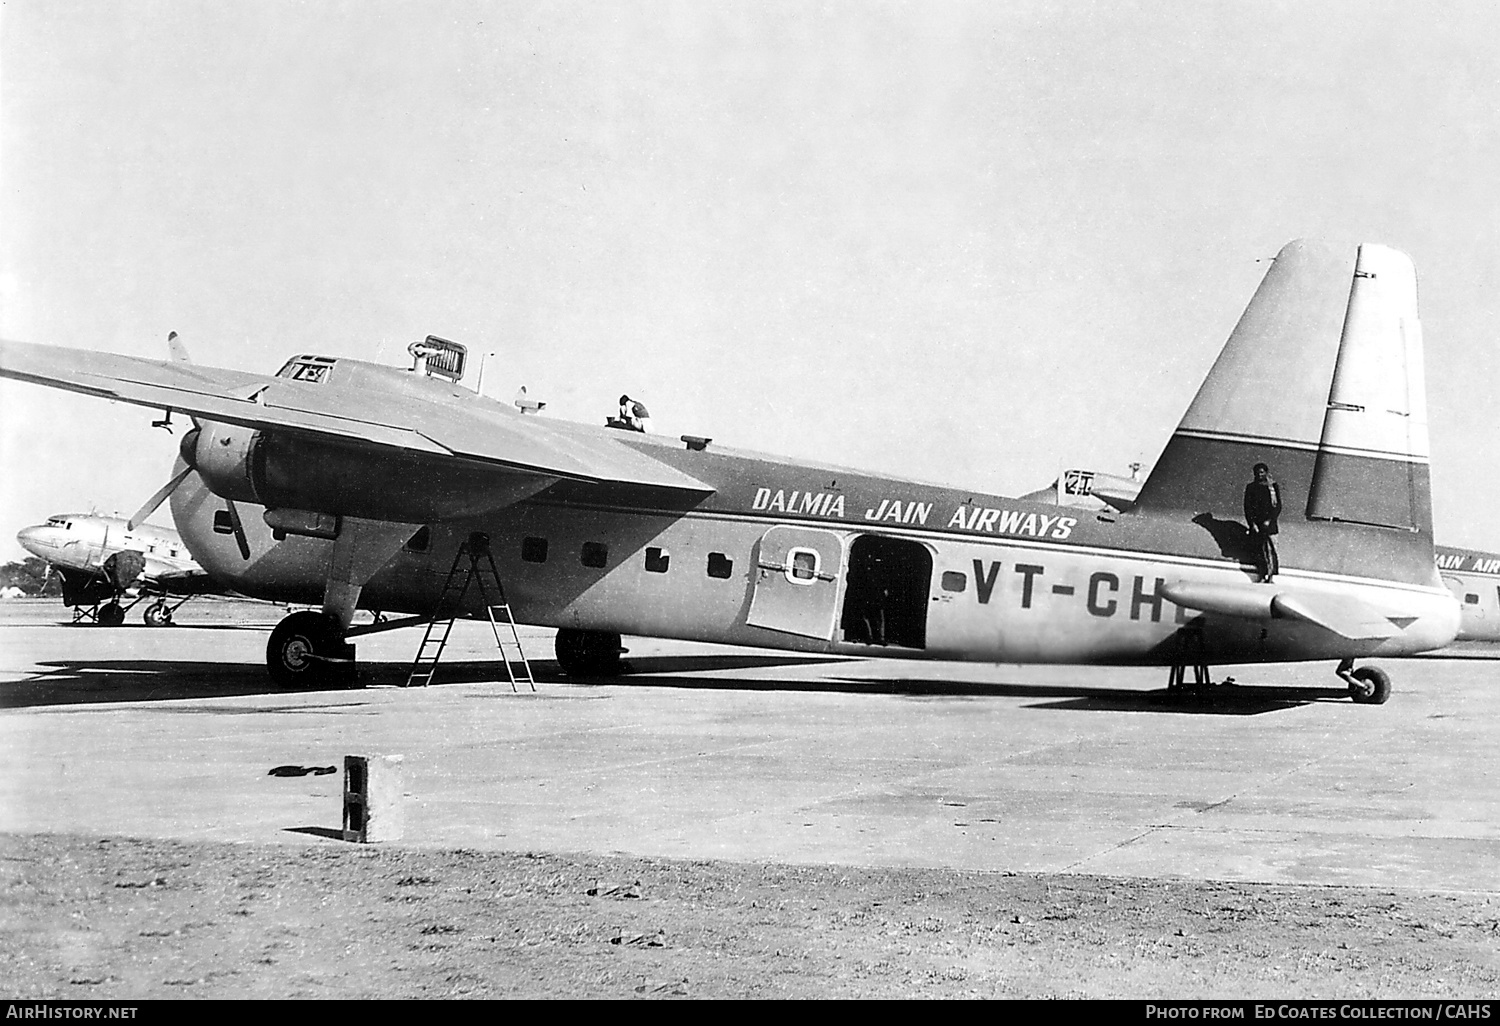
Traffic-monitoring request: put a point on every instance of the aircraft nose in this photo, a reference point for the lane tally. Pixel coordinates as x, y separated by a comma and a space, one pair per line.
30, 539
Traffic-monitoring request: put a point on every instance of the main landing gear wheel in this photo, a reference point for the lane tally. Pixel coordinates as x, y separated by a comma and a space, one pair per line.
307, 650
1370, 685
591, 653
158, 614
111, 615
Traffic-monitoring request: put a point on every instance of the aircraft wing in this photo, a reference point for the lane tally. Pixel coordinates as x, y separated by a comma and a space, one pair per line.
469, 427
1343, 615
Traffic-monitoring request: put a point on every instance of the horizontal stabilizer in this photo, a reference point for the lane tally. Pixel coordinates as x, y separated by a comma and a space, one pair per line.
1250, 601
1343, 615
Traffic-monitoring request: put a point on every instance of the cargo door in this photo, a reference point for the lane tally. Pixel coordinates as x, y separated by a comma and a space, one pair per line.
797, 581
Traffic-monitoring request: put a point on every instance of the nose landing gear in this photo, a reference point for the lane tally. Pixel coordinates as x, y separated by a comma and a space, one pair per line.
1368, 685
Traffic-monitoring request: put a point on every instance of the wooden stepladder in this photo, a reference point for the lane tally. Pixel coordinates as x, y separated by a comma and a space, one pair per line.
472, 564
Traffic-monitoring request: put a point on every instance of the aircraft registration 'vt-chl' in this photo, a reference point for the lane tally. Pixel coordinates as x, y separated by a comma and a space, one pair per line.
1472, 576
102, 559
369, 479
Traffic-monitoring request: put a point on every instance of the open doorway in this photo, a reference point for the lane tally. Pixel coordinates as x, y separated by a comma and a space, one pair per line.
885, 602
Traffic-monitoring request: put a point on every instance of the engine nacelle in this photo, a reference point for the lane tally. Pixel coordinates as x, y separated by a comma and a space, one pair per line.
228, 458
285, 471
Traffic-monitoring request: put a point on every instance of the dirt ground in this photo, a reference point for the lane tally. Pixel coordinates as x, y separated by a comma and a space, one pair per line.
116, 918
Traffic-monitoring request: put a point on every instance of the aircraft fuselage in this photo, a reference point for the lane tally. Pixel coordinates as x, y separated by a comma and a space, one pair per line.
1474, 579
83, 541
787, 555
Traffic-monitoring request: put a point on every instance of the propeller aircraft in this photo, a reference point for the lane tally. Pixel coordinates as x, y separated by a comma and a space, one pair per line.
1474, 579
348, 484
103, 560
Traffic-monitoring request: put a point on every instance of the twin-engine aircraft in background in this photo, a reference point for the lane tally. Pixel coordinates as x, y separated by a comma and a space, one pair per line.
354, 485
108, 566
1474, 579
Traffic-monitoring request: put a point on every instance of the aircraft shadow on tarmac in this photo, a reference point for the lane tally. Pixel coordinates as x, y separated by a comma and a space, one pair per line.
144, 680
69, 682
160, 631
1221, 700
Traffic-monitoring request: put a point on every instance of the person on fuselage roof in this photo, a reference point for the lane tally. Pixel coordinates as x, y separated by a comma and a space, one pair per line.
634, 414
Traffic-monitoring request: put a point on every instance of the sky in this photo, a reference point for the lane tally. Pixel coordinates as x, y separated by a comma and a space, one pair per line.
968, 243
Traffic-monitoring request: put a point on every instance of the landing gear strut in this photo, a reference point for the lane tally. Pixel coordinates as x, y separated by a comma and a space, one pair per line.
307, 650
1368, 685
592, 653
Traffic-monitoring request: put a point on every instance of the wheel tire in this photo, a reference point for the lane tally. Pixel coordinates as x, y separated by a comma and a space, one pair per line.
158, 615
592, 653
1374, 686
111, 615
300, 646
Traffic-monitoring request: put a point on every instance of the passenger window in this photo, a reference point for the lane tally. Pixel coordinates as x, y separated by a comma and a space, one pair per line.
656, 561
222, 523
595, 554
419, 542
953, 580
720, 565
534, 550
802, 566
1472, 600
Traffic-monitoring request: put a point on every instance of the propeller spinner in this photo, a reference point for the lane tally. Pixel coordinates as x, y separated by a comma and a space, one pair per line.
188, 450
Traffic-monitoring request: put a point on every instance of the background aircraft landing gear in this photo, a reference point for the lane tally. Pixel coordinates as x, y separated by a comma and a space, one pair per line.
308, 650
595, 653
111, 614
158, 614
1368, 685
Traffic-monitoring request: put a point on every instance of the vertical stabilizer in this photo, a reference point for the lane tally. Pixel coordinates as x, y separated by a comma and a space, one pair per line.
1264, 399
1321, 380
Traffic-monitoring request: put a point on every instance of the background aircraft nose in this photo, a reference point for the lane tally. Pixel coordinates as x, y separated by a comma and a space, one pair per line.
31, 539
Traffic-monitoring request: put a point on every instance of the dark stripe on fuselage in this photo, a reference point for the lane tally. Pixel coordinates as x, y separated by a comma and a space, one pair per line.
1211, 527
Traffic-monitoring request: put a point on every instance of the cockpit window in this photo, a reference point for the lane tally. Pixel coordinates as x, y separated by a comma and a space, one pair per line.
307, 368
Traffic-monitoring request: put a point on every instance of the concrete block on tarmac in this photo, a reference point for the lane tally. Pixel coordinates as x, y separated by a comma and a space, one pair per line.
373, 790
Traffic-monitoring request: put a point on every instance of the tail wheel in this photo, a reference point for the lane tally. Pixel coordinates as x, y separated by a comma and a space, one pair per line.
111, 615
1370, 685
158, 614
307, 650
594, 653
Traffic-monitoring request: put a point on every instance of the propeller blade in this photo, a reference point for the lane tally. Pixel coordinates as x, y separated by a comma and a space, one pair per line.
239, 529
157, 499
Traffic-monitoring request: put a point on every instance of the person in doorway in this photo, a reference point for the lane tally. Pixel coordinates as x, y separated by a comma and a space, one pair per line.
634, 414
1262, 508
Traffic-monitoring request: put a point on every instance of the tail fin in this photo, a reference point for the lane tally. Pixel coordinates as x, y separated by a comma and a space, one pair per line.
1322, 380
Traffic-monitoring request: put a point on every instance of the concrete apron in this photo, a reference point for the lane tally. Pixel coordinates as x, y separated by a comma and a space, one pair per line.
719, 753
